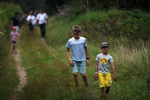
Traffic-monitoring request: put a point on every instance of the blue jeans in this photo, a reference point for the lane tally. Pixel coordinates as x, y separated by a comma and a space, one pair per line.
42, 28
31, 27
81, 65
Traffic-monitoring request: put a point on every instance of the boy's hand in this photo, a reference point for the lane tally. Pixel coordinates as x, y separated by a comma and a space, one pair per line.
96, 76
87, 61
115, 78
71, 63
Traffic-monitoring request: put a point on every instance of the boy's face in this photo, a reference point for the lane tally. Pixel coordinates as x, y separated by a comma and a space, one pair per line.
105, 49
76, 35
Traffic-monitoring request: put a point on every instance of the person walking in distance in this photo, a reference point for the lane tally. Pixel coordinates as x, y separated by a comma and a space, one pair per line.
15, 21
31, 21
78, 46
42, 19
14, 36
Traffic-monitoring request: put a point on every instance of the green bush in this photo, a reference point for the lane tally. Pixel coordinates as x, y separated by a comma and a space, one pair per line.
132, 24
8, 77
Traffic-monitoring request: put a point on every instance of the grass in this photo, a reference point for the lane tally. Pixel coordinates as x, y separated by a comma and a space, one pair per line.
9, 80
8, 77
50, 77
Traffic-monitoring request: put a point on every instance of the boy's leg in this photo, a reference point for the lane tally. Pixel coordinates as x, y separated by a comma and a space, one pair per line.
82, 70
108, 82
101, 83
85, 79
75, 73
107, 90
76, 79
102, 90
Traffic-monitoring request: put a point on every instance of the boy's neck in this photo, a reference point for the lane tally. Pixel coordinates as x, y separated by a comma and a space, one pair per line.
105, 53
77, 38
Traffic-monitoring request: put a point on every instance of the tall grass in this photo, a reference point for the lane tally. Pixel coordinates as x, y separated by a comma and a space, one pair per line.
50, 77
131, 56
8, 77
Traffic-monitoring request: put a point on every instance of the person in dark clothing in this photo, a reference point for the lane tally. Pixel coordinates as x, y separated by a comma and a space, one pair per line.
15, 21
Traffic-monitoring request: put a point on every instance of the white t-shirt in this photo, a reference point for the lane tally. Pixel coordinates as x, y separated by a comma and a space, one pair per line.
103, 62
32, 17
77, 48
42, 18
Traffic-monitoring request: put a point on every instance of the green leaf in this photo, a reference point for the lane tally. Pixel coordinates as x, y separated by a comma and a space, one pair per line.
2, 10
2, 33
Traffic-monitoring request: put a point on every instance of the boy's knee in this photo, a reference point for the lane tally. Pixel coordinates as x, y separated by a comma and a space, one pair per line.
83, 75
75, 74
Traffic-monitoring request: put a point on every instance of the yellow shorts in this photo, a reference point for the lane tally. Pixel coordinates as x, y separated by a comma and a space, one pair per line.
104, 79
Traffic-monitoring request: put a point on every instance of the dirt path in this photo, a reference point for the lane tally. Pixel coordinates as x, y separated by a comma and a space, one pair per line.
44, 42
20, 71
22, 75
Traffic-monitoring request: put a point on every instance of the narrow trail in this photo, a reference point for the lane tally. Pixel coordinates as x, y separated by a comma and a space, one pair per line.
47, 46
22, 76
20, 71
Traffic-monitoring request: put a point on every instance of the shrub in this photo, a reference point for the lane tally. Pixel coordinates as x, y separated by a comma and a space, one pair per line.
132, 24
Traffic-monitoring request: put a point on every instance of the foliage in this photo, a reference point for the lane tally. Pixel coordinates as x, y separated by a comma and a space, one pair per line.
51, 6
131, 24
85, 6
27, 5
8, 77
50, 77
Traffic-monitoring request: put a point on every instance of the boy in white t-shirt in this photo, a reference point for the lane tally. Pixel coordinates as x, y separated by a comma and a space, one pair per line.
102, 69
78, 46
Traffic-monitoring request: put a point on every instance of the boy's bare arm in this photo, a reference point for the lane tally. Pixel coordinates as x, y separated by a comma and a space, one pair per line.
114, 72
96, 70
68, 55
86, 53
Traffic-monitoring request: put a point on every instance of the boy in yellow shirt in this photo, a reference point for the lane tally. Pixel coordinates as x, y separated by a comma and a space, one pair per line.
102, 69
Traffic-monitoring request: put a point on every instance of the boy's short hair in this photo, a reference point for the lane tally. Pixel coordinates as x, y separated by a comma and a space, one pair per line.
104, 44
76, 28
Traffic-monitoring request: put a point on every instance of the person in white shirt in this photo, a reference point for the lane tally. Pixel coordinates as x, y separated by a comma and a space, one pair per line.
42, 20
31, 20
